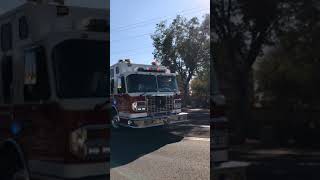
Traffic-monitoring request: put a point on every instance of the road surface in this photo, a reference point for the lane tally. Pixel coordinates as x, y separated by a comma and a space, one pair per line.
181, 151
279, 163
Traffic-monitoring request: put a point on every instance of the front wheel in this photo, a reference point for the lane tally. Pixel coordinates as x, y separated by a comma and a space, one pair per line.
115, 122
11, 166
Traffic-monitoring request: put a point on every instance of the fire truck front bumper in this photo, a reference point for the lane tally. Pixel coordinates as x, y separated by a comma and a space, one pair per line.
60, 171
152, 121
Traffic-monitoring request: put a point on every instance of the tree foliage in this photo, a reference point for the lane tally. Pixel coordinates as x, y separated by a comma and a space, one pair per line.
240, 31
200, 87
183, 47
289, 74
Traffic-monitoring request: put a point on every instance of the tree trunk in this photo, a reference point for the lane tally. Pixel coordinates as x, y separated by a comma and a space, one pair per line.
243, 105
186, 96
239, 98
236, 86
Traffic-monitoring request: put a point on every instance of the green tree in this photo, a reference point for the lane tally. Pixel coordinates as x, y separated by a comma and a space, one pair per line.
288, 75
240, 31
200, 88
183, 47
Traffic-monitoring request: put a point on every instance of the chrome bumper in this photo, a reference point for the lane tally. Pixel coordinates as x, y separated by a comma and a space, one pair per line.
156, 120
48, 170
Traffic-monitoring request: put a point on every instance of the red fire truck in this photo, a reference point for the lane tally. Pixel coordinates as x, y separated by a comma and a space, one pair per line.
144, 96
54, 95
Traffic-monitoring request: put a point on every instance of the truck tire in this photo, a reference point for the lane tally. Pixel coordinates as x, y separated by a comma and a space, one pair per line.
115, 119
11, 165
115, 122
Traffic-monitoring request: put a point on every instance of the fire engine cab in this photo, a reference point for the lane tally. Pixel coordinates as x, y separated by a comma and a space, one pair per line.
54, 95
144, 95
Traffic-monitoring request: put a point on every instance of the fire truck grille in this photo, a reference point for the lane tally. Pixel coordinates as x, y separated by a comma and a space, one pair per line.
159, 105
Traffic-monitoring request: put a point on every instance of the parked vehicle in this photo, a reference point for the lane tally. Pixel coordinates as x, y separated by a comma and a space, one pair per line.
144, 95
54, 99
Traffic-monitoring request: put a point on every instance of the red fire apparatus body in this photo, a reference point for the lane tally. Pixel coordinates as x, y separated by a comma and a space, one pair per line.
144, 96
54, 99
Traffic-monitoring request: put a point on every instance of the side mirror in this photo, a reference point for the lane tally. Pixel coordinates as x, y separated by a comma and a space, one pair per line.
119, 85
30, 68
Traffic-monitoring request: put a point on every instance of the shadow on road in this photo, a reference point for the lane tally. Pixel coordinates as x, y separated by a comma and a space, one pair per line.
199, 116
128, 145
189, 131
279, 163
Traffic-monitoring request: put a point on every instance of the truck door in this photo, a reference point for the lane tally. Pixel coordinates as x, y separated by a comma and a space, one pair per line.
6, 90
31, 114
121, 100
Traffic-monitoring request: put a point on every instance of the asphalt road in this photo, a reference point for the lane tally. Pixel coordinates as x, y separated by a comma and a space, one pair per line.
180, 151
279, 163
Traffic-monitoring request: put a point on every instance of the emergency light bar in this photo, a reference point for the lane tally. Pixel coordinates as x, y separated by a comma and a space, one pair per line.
151, 69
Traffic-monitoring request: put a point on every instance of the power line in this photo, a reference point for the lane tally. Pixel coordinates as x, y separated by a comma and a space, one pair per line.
141, 35
155, 21
134, 53
119, 52
132, 37
156, 18
137, 25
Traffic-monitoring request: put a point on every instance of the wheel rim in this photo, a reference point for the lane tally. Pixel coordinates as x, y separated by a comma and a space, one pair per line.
115, 121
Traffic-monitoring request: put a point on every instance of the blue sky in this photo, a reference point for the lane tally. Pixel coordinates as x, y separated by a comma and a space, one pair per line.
132, 22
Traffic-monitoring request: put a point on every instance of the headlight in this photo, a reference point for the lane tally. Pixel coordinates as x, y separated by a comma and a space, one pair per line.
177, 104
77, 142
89, 143
139, 106
106, 150
94, 151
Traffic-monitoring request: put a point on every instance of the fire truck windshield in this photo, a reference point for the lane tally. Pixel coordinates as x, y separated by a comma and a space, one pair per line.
148, 83
80, 68
141, 83
167, 83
